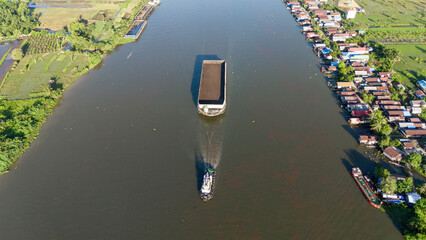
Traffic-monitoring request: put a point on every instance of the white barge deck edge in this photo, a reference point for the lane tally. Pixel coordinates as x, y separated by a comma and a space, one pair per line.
212, 92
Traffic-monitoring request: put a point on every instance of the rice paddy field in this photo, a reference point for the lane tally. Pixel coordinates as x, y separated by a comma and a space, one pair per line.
413, 61
392, 12
31, 76
399, 24
55, 15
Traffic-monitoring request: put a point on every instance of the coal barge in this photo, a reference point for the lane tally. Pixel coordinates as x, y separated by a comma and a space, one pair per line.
212, 91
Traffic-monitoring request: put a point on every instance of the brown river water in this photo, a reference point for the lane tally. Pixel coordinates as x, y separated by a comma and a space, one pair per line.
120, 158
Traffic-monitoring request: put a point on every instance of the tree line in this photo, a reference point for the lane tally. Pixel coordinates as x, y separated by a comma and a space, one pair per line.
412, 219
16, 18
20, 121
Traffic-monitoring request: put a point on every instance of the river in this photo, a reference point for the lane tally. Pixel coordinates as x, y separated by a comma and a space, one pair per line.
120, 157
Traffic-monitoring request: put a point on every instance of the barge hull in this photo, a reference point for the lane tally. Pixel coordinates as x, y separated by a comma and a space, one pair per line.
365, 188
212, 91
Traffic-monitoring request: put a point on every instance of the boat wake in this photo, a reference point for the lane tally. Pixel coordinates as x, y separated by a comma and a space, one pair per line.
211, 142
208, 156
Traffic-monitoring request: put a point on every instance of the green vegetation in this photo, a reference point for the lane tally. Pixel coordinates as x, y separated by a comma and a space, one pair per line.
42, 61
408, 41
417, 225
82, 38
399, 49
17, 54
31, 76
395, 33
15, 18
97, 12
380, 125
392, 12
422, 189
412, 221
346, 73
5, 56
93, 11
417, 162
383, 57
388, 185
405, 186
336, 50
401, 214
41, 42
396, 143
384, 141
41, 72
19, 125
381, 172
367, 98
412, 65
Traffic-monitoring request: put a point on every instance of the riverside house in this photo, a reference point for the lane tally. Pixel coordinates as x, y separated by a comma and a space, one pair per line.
419, 93
340, 37
341, 85
366, 80
414, 133
393, 154
367, 140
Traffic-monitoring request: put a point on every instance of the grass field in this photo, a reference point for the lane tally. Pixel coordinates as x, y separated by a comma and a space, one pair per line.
392, 12
413, 62
398, 29
57, 18
401, 35
90, 10
31, 76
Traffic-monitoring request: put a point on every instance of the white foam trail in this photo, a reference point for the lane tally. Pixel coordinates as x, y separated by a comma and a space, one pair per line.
211, 142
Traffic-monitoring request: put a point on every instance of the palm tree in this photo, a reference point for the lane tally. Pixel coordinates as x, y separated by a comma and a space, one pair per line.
374, 115
376, 126
377, 120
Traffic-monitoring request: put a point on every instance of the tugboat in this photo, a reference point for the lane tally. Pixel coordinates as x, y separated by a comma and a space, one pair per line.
206, 192
365, 188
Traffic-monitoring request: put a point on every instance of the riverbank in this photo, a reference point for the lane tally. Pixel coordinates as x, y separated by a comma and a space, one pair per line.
361, 76
48, 67
359, 85
281, 145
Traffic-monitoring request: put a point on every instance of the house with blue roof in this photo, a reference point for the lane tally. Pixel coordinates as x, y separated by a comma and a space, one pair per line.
422, 84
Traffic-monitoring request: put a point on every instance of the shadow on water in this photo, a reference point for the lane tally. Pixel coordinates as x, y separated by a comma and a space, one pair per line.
199, 168
351, 131
357, 159
195, 84
397, 214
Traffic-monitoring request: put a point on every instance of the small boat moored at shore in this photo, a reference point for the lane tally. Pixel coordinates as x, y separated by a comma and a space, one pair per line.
206, 191
212, 91
365, 188
154, 2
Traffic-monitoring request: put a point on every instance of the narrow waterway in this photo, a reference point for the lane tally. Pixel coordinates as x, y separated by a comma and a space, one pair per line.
8, 62
120, 157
